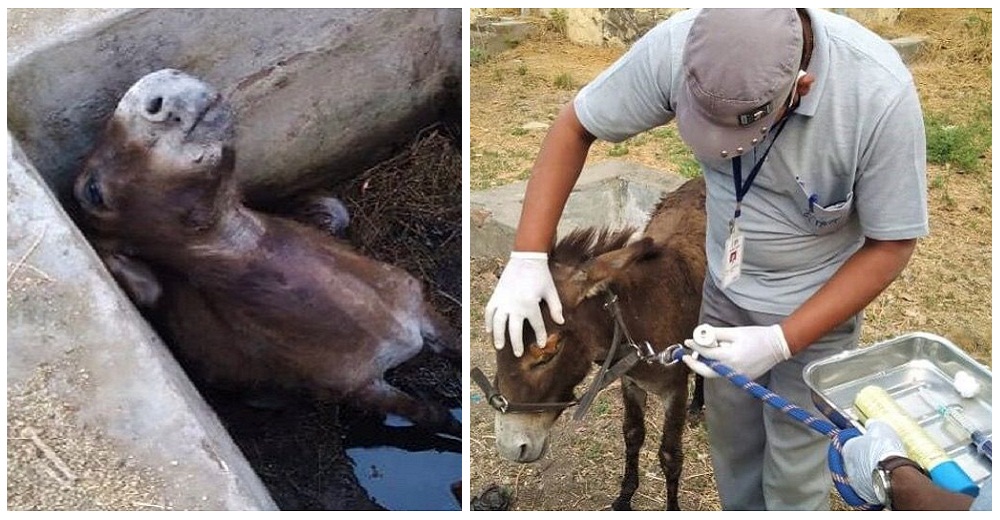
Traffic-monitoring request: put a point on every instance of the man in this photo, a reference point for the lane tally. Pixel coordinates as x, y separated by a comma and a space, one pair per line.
798, 244
904, 485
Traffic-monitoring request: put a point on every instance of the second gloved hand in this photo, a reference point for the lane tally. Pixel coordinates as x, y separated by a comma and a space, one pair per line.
862, 454
751, 351
524, 283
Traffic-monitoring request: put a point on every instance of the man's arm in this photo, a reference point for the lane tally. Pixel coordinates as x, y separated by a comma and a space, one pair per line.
859, 281
913, 491
754, 350
526, 279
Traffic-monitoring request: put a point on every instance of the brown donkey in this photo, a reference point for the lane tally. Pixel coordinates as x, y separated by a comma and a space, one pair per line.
248, 298
657, 280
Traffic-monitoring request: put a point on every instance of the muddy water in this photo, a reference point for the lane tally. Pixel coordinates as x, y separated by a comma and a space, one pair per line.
402, 468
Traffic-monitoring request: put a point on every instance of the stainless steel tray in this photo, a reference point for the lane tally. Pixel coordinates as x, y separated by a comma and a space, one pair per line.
901, 366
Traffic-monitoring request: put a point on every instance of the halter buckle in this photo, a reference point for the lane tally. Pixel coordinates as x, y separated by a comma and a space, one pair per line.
499, 403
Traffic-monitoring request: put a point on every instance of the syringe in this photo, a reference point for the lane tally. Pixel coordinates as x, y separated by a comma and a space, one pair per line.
961, 426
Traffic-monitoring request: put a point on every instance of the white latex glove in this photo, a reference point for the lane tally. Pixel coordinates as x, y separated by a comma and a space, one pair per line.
524, 283
862, 454
751, 351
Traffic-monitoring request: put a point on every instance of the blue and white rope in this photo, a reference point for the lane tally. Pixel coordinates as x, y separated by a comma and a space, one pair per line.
838, 437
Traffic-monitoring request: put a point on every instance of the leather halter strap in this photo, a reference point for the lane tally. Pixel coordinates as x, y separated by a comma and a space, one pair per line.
501, 404
609, 373
611, 370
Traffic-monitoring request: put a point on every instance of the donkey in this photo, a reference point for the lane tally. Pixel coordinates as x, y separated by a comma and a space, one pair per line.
658, 281
248, 298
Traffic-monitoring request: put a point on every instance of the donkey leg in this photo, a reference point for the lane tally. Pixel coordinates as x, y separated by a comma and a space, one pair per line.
439, 336
325, 213
431, 416
634, 428
671, 452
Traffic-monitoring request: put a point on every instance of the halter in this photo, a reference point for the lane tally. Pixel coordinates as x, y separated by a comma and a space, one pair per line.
607, 374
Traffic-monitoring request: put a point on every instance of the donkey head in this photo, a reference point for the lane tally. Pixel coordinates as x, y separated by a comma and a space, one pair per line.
162, 162
583, 266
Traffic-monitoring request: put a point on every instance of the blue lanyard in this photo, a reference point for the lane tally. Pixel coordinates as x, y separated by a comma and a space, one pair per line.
741, 188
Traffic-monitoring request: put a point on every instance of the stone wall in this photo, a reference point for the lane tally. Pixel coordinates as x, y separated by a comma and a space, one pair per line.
622, 26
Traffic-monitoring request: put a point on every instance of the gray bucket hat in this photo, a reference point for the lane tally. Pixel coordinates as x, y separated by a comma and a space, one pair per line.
739, 66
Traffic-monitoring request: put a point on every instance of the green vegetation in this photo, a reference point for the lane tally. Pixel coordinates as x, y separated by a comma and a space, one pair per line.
477, 56
676, 151
557, 21
491, 168
618, 150
600, 408
564, 81
959, 146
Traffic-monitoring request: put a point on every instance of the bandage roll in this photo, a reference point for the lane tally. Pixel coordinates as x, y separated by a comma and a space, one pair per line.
875, 403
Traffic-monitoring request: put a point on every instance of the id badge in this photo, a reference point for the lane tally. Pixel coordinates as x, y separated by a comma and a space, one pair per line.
734, 255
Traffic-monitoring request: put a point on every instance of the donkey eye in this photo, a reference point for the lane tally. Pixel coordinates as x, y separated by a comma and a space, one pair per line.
93, 192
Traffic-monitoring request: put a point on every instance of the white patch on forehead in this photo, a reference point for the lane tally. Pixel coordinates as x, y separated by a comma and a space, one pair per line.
165, 106
156, 95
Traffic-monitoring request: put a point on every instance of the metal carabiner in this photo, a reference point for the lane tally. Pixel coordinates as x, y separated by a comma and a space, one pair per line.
669, 355
645, 351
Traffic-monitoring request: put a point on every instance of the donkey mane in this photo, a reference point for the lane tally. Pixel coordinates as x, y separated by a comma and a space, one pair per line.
582, 245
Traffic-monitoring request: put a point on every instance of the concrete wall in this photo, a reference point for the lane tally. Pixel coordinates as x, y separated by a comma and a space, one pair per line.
316, 87
612, 26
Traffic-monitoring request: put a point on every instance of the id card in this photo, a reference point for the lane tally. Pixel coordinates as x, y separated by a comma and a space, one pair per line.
734, 255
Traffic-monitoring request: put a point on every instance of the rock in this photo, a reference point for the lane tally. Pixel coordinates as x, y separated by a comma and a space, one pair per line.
535, 125
493, 498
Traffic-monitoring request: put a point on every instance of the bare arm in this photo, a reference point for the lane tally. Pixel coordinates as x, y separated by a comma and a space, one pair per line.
859, 281
913, 491
553, 176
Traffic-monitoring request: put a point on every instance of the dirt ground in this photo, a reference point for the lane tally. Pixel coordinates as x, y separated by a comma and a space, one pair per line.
945, 290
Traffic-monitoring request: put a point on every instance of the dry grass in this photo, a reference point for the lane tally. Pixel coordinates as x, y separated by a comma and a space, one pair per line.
946, 289
407, 211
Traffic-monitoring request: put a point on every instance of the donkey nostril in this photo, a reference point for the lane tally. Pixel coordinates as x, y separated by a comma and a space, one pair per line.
523, 451
154, 105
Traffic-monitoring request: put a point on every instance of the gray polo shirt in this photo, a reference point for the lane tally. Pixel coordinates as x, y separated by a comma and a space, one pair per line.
850, 163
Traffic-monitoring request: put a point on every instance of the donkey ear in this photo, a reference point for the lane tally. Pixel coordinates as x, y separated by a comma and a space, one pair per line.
595, 276
137, 278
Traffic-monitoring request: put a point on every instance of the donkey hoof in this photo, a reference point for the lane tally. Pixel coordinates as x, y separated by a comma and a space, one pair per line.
621, 505
326, 213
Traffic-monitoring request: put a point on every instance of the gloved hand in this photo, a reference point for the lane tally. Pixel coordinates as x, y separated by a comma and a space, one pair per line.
751, 351
862, 454
524, 283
